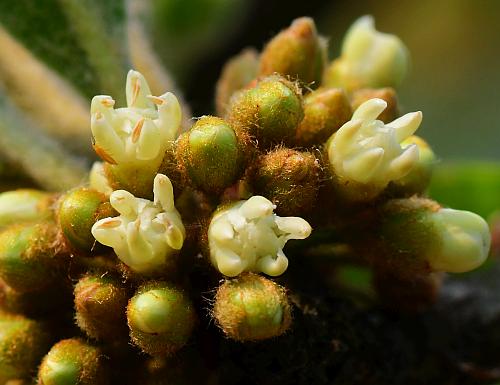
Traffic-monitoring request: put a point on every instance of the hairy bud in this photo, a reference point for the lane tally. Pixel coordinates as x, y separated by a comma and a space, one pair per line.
100, 303
289, 178
270, 111
211, 155
252, 308
78, 210
161, 318
73, 362
325, 111
296, 52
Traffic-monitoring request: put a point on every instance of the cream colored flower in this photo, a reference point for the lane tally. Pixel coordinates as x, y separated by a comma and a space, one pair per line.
369, 152
146, 233
248, 236
138, 133
368, 59
464, 241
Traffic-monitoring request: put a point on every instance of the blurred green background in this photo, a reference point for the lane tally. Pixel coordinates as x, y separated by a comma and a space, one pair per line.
454, 44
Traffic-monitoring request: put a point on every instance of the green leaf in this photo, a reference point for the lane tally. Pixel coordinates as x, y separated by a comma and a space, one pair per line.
473, 186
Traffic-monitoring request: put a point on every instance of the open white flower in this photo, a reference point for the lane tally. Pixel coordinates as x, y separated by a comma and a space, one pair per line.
369, 152
248, 236
146, 233
139, 132
369, 58
464, 241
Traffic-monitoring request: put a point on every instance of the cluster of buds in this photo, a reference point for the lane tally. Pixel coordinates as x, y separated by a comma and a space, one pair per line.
298, 144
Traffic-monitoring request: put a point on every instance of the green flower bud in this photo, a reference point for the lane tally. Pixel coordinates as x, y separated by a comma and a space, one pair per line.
369, 59
236, 74
270, 111
211, 155
418, 236
73, 362
325, 111
27, 254
100, 303
78, 210
418, 179
409, 295
296, 52
161, 319
24, 205
289, 178
251, 308
387, 94
22, 344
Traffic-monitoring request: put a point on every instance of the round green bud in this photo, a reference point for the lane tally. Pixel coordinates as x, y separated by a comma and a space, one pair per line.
419, 178
25, 205
22, 344
270, 111
236, 74
211, 155
78, 210
388, 94
296, 52
290, 179
325, 111
161, 318
27, 254
100, 303
73, 362
251, 308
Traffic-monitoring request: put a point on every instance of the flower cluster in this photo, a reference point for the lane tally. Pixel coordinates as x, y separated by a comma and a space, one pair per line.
298, 144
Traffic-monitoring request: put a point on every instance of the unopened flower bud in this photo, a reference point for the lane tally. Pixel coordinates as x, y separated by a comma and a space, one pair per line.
252, 308
25, 205
100, 303
248, 236
417, 236
369, 59
78, 210
147, 234
289, 178
418, 179
296, 52
73, 362
133, 140
365, 154
236, 74
387, 94
270, 111
22, 344
161, 319
211, 155
325, 111
27, 256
